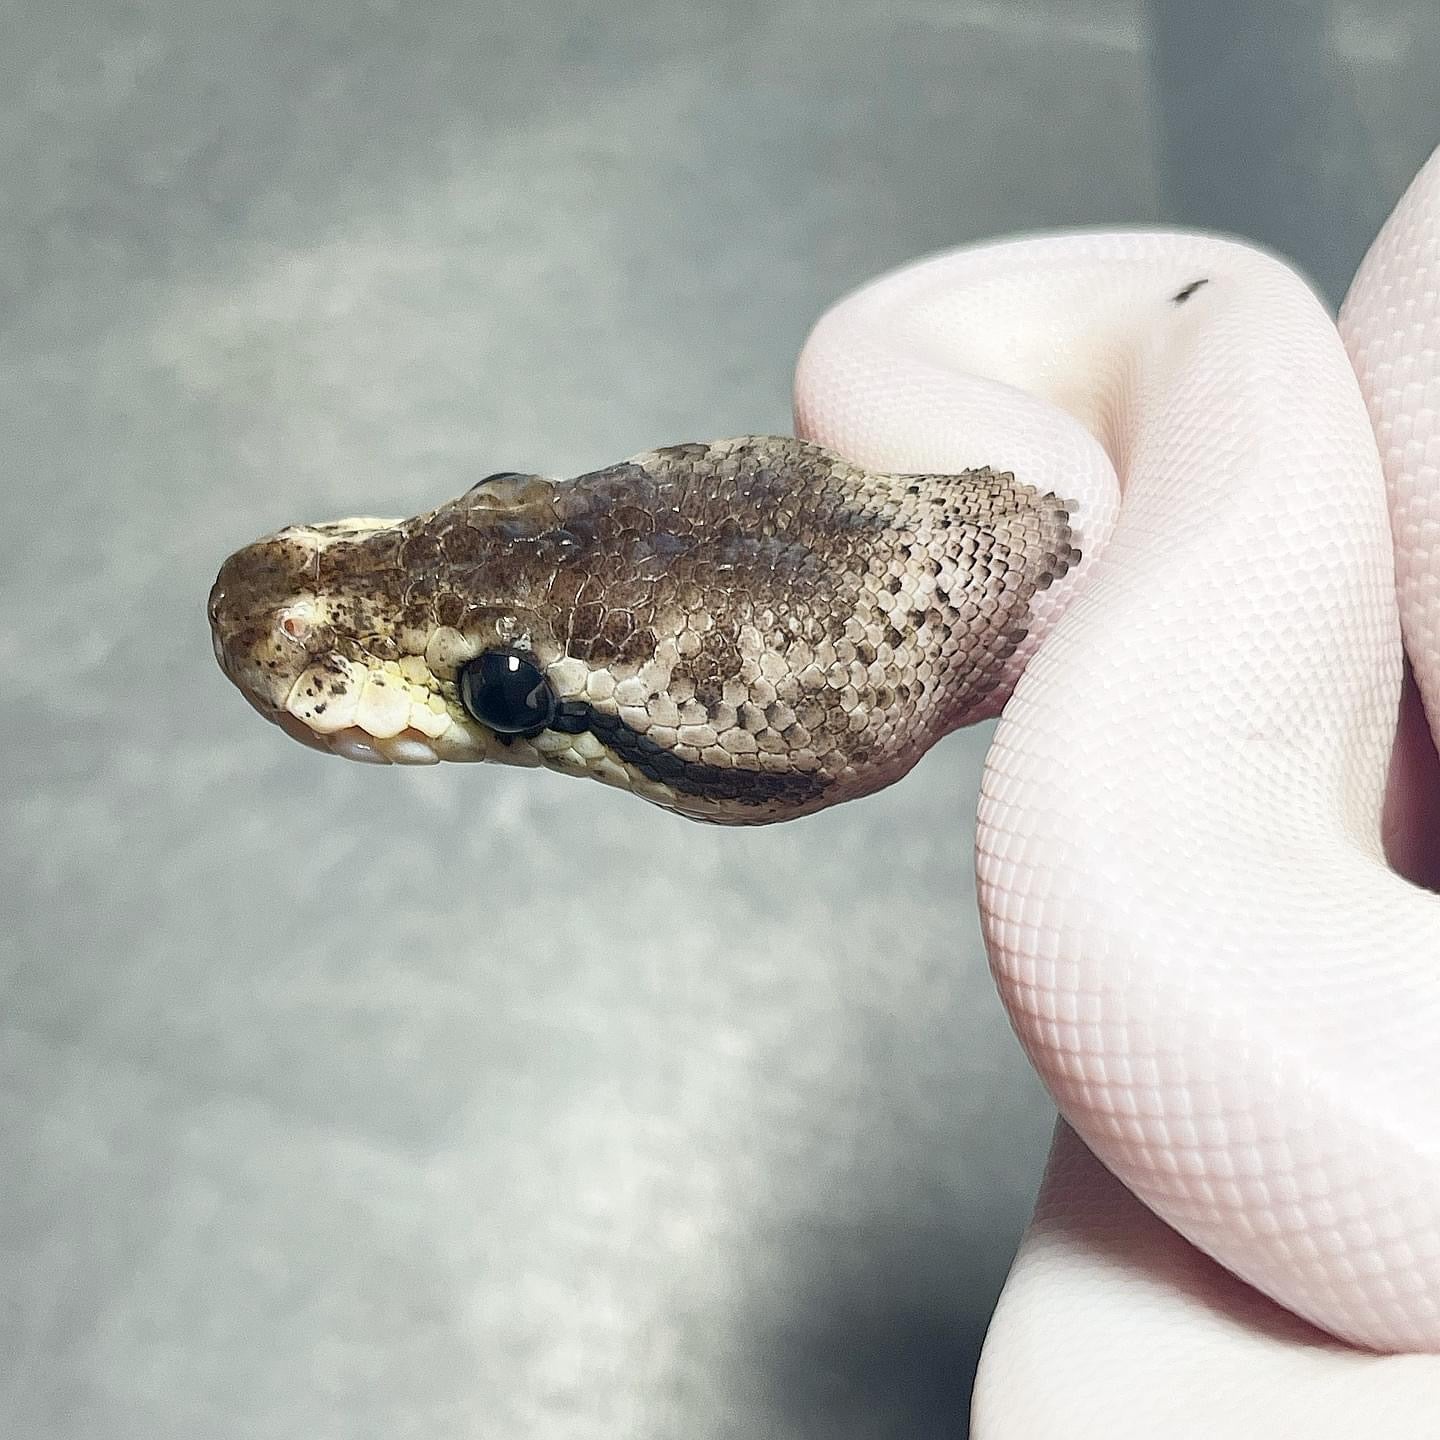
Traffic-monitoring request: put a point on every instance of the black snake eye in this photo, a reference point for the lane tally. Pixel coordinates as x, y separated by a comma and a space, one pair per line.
508, 692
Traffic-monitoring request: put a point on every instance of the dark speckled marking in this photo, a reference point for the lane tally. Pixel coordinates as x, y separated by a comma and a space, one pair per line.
711, 782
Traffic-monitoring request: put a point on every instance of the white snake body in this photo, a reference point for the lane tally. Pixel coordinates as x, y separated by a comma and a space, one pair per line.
1185, 893
1232, 998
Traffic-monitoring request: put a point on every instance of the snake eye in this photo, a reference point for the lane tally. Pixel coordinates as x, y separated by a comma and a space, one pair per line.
508, 692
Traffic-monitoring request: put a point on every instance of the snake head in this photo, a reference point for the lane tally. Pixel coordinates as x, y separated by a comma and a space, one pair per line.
741, 631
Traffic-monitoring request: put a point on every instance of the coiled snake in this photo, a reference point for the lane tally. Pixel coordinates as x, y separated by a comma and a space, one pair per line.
1232, 998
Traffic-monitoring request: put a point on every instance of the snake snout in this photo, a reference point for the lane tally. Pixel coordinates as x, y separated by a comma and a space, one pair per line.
265, 619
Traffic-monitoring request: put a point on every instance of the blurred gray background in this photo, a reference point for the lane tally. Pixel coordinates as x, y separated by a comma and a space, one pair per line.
340, 1102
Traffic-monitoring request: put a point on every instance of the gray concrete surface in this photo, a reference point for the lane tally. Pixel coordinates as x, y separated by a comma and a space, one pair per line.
348, 1103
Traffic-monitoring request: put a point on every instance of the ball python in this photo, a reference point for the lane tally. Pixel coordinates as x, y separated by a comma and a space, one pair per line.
1121, 489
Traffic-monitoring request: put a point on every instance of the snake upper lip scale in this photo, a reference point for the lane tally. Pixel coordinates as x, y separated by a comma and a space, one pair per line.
1179, 846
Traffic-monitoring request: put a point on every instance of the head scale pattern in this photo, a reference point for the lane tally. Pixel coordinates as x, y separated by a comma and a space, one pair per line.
744, 630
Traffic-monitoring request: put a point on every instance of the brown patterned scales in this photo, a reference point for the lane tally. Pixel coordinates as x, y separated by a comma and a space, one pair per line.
744, 631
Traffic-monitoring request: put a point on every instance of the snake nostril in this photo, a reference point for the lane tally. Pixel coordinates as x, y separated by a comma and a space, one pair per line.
295, 623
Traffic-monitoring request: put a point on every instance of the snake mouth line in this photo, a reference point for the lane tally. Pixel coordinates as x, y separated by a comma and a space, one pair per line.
409, 747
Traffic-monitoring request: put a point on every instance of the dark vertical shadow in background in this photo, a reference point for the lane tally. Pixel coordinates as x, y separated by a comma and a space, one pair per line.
1260, 133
